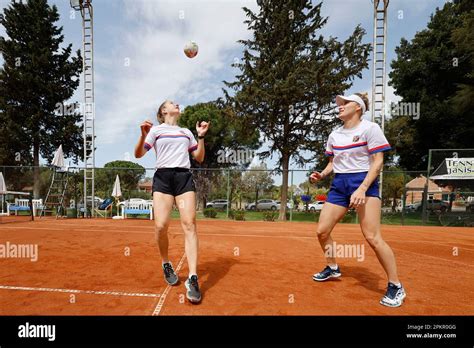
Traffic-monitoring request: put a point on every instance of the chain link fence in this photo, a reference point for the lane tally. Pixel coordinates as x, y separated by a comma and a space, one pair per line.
254, 194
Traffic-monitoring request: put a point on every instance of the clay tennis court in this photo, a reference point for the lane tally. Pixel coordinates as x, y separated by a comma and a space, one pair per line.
112, 267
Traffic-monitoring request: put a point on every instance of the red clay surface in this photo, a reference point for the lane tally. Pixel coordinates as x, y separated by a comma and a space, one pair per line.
245, 268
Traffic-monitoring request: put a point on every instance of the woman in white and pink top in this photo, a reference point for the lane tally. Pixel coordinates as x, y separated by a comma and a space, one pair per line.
173, 183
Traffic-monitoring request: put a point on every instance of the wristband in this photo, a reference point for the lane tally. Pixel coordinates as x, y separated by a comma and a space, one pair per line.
200, 136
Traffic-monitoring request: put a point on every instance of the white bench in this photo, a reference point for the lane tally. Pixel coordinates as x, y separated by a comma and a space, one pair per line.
136, 207
22, 204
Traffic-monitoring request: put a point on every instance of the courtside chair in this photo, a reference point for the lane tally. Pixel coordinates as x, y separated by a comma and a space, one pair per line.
104, 208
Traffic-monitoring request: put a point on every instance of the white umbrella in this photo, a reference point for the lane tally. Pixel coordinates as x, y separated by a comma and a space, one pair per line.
3, 188
117, 192
58, 159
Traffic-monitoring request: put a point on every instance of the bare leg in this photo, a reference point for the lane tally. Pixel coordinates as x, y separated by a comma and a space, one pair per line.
330, 216
369, 215
187, 209
162, 205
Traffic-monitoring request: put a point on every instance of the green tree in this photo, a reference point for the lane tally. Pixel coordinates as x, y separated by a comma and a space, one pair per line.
257, 179
237, 191
37, 76
225, 133
227, 136
463, 39
289, 77
435, 70
392, 185
130, 174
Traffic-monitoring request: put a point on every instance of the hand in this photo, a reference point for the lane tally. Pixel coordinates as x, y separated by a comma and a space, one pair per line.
202, 127
315, 177
145, 127
357, 198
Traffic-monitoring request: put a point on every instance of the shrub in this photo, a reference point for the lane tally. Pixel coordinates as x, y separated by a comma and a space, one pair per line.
210, 213
270, 215
349, 217
239, 215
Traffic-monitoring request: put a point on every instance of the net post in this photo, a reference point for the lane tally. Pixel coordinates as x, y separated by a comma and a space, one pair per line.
32, 208
228, 192
292, 198
425, 190
404, 197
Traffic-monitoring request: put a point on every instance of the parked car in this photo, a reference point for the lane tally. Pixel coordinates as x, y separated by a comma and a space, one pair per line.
316, 206
218, 204
289, 205
470, 204
432, 204
263, 204
408, 208
398, 208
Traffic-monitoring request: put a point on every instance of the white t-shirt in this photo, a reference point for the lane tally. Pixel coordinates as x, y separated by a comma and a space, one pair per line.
352, 148
172, 145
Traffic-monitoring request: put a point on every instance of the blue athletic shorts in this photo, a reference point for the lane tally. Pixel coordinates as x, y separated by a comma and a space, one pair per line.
344, 185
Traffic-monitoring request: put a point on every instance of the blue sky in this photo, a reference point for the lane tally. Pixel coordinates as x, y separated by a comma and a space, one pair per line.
139, 60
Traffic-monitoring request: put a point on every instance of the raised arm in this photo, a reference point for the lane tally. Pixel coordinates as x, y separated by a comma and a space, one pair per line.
199, 153
140, 150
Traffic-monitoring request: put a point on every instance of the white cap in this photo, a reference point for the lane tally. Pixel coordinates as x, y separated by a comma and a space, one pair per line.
353, 97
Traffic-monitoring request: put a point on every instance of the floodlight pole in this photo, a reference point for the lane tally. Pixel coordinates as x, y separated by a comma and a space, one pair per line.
379, 74
86, 10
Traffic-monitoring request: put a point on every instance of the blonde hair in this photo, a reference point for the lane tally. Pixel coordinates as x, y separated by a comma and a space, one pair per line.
365, 98
159, 114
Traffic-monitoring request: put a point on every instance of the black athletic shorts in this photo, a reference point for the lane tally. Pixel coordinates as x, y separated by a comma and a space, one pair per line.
173, 181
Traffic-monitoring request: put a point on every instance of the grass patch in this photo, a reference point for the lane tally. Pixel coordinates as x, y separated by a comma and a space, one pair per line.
410, 219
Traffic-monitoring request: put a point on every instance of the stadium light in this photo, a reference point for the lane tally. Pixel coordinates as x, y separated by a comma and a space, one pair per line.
76, 4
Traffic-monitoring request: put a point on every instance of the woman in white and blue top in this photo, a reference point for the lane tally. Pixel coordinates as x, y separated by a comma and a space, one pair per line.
355, 152
173, 183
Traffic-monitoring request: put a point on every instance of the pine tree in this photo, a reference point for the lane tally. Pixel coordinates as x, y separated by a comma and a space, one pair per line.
37, 77
220, 143
289, 78
435, 69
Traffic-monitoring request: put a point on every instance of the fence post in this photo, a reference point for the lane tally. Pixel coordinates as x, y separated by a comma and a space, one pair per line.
228, 193
404, 197
292, 200
425, 191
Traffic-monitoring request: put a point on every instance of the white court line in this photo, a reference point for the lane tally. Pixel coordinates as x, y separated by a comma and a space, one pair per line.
162, 300
76, 291
85, 230
434, 257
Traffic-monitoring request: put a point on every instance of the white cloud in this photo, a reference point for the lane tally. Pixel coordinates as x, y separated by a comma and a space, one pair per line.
390, 95
345, 15
154, 41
